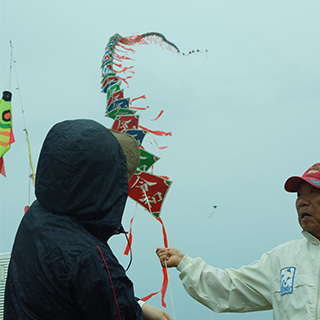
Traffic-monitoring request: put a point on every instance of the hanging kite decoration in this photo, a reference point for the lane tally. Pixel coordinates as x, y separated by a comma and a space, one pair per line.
146, 188
6, 133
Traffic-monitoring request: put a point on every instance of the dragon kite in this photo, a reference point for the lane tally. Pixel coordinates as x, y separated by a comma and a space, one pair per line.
147, 189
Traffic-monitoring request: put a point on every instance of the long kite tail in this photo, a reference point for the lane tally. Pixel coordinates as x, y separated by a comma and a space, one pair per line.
113, 53
153, 36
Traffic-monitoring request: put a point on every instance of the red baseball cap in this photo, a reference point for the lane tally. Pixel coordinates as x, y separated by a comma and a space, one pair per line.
311, 176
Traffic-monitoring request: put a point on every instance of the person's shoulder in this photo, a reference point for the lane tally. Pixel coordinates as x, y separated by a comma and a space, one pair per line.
289, 245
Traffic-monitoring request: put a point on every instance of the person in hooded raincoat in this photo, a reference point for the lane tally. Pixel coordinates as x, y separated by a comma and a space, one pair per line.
61, 266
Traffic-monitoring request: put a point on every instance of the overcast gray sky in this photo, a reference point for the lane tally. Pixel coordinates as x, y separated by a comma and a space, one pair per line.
243, 117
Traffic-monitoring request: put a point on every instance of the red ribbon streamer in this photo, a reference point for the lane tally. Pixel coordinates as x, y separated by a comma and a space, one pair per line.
161, 148
149, 296
157, 133
165, 238
159, 115
134, 99
127, 250
165, 281
121, 57
125, 69
125, 80
164, 286
139, 108
2, 171
164, 270
128, 49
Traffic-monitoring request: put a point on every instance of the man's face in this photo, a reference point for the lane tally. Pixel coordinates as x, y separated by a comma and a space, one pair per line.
308, 208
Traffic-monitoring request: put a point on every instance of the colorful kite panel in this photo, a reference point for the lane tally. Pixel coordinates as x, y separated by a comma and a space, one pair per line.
149, 190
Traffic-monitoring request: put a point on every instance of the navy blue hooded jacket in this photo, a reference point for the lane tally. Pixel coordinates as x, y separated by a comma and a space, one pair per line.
61, 265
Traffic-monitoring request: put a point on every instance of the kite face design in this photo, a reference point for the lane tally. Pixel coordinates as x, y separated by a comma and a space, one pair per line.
6, 135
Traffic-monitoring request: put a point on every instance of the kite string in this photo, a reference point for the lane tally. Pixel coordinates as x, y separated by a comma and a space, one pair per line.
24, 121
10, 67
9, 88
160, 244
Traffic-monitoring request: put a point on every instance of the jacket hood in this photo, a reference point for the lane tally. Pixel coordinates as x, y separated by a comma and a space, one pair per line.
82, 173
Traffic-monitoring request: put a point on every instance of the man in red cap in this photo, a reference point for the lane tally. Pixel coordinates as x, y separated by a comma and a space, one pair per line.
308, 200
285, 279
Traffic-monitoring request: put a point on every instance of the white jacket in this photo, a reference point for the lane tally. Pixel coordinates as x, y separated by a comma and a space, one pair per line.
286, 279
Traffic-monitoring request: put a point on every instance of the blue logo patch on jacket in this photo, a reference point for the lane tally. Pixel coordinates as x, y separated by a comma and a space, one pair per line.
286, 279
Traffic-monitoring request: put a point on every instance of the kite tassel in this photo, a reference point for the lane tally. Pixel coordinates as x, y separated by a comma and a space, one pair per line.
129, 244
125, 69
133, 39
125, 80
126, 48
122, 57
146, 298
159, 115
165, 281
157, 132
160, 148
139, 108
134, 99
2, 171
